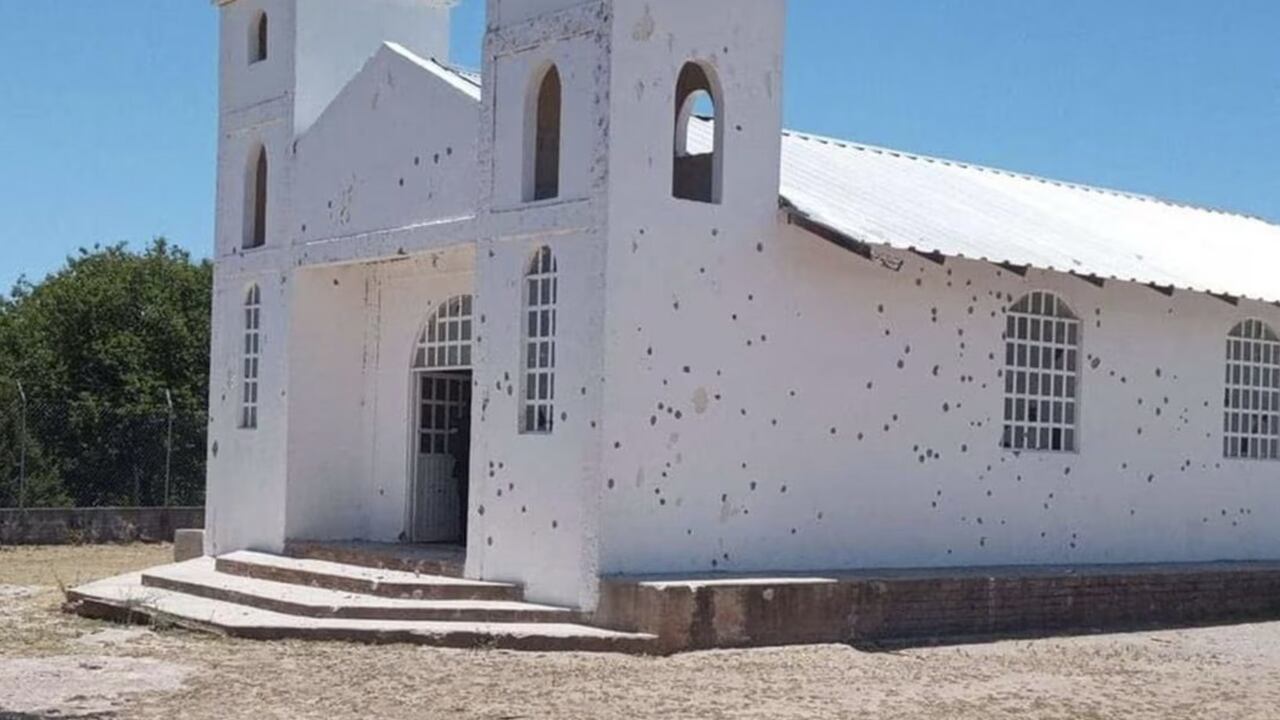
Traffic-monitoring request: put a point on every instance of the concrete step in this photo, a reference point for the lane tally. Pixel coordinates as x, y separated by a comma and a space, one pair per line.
444, 560
126, 598
363, 580
200, 578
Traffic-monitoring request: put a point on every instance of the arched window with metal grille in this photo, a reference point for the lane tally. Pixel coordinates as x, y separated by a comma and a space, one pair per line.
252, 356
445, 341
1251, 423
1041, 375
538, 394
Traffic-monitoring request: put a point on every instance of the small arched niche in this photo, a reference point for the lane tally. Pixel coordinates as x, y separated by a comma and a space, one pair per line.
697, 167
542, 133
255, 199
258, 38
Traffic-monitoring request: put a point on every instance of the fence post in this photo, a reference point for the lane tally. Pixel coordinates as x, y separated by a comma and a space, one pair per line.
168, 447
22, 448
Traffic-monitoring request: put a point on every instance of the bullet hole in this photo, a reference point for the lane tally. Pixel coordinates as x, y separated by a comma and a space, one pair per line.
946, 407
936, 369
759, 247
784, 490
524, 509
753, 486
401, 182
436, 159
448, 151
687, 370
489, 541
653, 420
833, 431
555, 524
880, 309
617, 446
417, 161
901, 364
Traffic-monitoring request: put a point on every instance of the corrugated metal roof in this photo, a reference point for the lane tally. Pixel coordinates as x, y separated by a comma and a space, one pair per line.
910, 202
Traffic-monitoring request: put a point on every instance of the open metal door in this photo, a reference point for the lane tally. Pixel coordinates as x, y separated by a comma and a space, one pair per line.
440, 464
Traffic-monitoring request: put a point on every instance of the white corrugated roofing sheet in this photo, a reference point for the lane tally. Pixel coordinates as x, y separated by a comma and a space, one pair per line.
911, 202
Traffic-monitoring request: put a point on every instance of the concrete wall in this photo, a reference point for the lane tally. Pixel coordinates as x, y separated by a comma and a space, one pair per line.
59, 526
805, 407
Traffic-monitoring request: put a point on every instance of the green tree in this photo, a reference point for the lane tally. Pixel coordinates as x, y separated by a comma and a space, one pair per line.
96, 345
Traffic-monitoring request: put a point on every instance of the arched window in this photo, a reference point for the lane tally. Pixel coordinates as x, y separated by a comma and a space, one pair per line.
1042, 358
542, 163
538, 396
258, 39
699, 150
445, 342
252, 354
255, 219
1251, 427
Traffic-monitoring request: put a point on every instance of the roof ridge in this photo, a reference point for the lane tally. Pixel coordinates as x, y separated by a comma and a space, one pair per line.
1082, 187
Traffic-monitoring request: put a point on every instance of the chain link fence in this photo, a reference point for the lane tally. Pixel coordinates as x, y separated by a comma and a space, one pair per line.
75, 453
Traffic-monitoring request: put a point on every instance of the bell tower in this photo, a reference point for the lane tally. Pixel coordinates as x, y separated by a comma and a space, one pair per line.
605, 125
281, 62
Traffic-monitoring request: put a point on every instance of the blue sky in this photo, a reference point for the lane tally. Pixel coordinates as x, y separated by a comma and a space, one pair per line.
108, 108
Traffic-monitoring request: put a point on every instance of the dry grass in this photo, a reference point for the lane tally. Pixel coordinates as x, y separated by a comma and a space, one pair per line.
1211, 673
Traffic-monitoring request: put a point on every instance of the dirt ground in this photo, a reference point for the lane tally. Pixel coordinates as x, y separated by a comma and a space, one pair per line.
54, 665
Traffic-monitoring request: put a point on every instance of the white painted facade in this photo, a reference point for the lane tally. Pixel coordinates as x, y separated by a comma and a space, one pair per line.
732, 391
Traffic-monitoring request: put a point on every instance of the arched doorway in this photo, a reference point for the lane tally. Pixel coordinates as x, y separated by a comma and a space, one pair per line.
440, 466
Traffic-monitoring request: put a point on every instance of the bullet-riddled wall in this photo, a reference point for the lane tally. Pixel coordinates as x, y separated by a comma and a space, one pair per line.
797, 406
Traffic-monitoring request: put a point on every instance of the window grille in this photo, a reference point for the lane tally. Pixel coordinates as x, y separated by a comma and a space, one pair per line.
541, 288
1251, 425
252, 356
1041, 377
445, 343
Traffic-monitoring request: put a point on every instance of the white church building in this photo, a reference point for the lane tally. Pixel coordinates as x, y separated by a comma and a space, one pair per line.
593, 312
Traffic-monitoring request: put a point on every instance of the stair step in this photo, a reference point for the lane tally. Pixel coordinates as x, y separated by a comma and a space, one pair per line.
362, 580
446, 560
201, 578
126, 598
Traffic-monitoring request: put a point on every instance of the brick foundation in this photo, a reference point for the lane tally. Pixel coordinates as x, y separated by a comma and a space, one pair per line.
917, 607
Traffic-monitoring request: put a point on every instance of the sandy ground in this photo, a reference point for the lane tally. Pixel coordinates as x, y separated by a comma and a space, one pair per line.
55, 665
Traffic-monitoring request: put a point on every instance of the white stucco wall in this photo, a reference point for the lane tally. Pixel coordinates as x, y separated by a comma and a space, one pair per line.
397, 147
807, 408
245, 502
